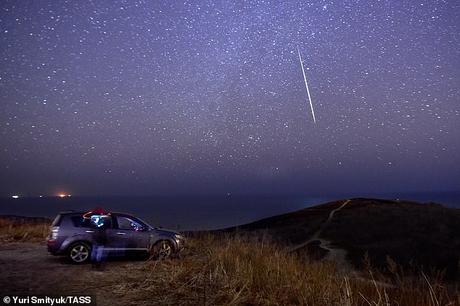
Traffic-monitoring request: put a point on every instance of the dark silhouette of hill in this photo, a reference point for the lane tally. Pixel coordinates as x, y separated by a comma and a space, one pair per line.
415, 236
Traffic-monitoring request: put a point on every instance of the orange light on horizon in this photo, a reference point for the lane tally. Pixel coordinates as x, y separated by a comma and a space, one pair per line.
63, 195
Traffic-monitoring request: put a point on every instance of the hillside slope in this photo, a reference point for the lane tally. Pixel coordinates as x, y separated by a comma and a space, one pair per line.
413, 235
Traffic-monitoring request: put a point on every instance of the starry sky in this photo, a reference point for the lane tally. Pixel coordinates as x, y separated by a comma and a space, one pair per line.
207, 97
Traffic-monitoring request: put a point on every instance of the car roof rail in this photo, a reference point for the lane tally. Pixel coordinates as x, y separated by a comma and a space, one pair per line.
71, 211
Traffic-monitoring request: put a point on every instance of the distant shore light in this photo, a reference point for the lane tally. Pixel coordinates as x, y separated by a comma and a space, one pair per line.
63, 195
15, 197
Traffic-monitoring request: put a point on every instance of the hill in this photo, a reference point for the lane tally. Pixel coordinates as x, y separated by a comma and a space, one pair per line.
413, 235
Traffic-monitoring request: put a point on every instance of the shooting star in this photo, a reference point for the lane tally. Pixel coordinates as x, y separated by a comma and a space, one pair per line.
306, 86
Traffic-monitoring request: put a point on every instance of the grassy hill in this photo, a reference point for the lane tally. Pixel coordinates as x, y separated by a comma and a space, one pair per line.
415, 236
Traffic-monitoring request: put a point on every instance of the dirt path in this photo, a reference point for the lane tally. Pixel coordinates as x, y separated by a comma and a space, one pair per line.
335, 254
27, 268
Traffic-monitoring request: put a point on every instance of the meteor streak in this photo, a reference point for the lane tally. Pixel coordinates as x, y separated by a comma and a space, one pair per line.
306, 86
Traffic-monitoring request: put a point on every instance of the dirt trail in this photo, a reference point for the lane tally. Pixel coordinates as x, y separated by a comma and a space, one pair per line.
27, 268
335, 254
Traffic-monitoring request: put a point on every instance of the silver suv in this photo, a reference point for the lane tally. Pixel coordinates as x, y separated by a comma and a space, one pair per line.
72, 235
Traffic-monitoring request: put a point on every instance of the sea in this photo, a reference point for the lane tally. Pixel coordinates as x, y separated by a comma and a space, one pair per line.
198, 212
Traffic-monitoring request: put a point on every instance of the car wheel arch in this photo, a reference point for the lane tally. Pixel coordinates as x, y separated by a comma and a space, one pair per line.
71, 244
153, 249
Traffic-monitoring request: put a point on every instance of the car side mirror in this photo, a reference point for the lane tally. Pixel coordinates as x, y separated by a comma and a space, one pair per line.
141, 228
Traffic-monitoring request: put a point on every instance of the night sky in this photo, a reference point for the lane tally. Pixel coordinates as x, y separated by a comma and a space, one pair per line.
208, 97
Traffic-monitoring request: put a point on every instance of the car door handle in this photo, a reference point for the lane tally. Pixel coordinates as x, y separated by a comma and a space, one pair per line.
121, 233
88, 231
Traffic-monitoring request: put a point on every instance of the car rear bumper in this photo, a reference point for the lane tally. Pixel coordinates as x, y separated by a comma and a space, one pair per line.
53, 247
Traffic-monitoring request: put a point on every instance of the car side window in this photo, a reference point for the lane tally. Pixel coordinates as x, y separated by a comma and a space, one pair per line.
79, 221
101, 221
125, 223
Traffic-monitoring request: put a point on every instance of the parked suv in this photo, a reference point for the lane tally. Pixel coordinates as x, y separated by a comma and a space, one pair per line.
72, 235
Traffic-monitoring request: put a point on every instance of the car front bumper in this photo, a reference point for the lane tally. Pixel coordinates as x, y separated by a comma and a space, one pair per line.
180, 243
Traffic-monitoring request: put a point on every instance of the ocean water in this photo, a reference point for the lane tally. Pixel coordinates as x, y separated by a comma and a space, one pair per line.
196, 212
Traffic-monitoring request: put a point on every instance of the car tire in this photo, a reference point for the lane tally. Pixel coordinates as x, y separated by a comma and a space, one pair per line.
79, 252
163, 249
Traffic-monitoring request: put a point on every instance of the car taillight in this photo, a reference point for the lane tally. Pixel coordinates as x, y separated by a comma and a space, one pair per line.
54, 233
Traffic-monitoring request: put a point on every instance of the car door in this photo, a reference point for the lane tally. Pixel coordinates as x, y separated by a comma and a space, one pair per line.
127, 235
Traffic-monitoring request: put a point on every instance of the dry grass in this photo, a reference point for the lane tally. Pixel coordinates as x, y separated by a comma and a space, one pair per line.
232, 271
12, 231
226, 270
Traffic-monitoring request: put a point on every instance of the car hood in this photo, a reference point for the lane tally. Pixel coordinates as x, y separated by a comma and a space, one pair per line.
166, 231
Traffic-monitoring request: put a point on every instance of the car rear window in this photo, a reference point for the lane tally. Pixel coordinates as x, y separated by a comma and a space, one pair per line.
79, 221
57, 220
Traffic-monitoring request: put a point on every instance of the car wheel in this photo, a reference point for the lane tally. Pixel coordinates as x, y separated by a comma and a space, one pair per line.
79, 253
162, 250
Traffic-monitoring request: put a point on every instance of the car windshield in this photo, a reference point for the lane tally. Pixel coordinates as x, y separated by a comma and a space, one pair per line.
145, 223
